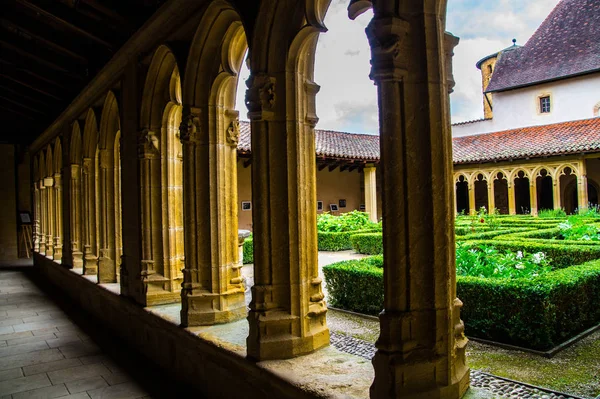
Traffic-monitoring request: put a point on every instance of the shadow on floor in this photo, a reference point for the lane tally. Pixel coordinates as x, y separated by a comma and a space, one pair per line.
153, 379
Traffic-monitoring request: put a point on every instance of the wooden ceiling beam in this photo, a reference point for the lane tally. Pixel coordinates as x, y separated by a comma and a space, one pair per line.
29, 34
41, 13
32, 56
17, 93
29, 86
13, 111
21, 105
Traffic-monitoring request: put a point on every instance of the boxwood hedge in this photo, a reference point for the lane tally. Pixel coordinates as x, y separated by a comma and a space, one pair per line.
368, 243
538, 313
337, 241
248, 251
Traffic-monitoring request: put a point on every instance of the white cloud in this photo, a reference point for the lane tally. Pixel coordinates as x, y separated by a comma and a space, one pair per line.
348, 99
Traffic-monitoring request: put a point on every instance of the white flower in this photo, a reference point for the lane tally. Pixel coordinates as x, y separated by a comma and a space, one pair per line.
520, 266
538, 258
519, 255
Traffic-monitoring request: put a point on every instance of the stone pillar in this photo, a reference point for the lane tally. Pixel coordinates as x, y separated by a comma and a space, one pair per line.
582, 187
472, 207
556, 193
58, 218
36, 217
212, 290
50, 222
43, 224
287, 311
90, 258
107, 266
533, 203
512, 205
150, 206
491, 195
421, 347
371, 192
76, 217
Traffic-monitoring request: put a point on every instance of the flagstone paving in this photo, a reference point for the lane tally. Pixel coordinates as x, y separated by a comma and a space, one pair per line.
44, 353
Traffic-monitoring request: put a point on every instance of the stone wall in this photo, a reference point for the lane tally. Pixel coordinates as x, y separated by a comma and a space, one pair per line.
8, 204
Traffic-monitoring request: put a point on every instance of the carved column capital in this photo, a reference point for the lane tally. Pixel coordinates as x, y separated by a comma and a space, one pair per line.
190, 127
233, 133
387, 38
450, 42
311, 89
40, 185
87, 165
260, 96
57, 180
147, 144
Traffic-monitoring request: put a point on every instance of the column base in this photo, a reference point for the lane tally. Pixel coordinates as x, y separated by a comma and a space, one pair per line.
57, 253
162, 297
77, 259
399, 377
106, 271
206, 309
90, 265
270, 336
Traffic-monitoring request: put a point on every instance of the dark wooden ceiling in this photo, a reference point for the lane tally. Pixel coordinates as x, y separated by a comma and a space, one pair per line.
49, 51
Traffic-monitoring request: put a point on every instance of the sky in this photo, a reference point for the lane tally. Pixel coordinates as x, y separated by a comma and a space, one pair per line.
347, 100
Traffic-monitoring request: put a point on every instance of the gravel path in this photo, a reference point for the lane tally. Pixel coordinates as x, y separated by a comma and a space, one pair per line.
497, 387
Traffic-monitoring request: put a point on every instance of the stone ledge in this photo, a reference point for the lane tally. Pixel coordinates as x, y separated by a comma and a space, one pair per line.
213, 358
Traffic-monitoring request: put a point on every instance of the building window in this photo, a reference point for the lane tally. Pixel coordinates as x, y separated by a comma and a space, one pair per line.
545, 104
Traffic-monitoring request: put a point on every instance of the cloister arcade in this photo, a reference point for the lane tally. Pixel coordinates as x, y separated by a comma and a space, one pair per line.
525, 188
148, 166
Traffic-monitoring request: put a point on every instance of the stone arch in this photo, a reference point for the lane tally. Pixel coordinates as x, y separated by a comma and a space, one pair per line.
593, 192
90, 135
515, 173
75, 149
49, 208
500, 184
461, 187
161, 191
209, 133
89, 150
49, 161
560, 170
36, 203
543, 176
521, 180
58, 163
480, 186
107, 173
43, 202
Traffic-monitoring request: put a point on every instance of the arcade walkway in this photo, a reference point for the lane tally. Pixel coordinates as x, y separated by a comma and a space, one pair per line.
49, 350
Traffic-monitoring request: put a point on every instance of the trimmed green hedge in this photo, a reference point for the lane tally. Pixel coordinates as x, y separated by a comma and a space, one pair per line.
562, 255
248, 251
369, 243
356, 285
338, 241
538, 313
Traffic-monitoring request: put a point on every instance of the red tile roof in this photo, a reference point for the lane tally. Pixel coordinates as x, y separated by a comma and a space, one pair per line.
572, 137
566, 44
330, 144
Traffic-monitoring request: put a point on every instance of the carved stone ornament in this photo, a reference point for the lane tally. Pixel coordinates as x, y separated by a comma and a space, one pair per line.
189, 129
387, 39
260, 95
148, 144
450, 42
233, 133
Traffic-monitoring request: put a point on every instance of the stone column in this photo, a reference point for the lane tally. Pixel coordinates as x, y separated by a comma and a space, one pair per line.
556, 193
50, 222
58, 217
107, 269
90, 258
150, 205
533, 203
472, 206
371, 191
421, 347
36, 217
512, 205
212, 290
582, 187
43, 224
287, 311
491, 195
76, 217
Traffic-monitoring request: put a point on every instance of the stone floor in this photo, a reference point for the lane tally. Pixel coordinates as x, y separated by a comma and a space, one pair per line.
44, 353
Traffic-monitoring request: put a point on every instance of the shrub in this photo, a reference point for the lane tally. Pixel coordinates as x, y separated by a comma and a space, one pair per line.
552, 213
248, 250
355, 285
351, 221
368, 243
337, 241
538, 312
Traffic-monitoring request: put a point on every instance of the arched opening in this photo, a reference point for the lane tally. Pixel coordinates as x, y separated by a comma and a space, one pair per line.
522, 194
593, 193
568, 180
462, 196
108, 175
501, 193
50, 208
481, 193
76, 206
545, 190
88, 194
57, 256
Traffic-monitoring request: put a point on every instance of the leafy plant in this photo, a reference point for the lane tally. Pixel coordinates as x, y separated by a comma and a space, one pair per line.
351, 221
552, 213
575, 229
